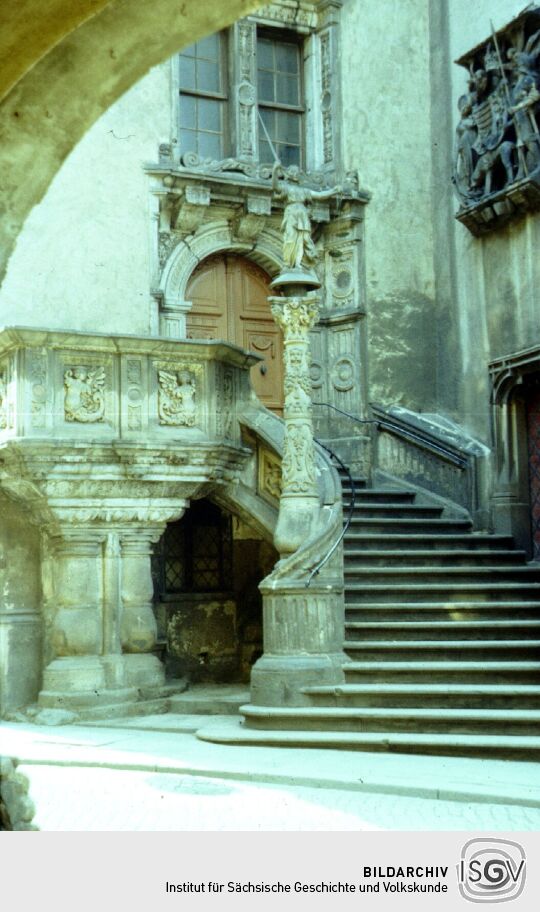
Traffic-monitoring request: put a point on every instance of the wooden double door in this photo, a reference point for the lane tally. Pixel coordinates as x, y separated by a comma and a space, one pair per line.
230, 301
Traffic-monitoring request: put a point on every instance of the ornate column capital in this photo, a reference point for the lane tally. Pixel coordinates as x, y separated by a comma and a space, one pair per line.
296, 316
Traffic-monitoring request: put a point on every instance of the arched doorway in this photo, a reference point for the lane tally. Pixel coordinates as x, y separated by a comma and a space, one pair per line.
207, 568
229, 294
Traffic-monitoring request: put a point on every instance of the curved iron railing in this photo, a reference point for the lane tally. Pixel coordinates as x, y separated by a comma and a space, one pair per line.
346, 525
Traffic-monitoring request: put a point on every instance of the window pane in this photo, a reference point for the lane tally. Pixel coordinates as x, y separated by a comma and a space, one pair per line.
209, 114
188, 141
287, 58
188, 113
187, 73
210, 145
288, 127
265, 53
266, 86
269, 118
208, 76
289, 155
265, 152
209, 47
189, 51
287, 89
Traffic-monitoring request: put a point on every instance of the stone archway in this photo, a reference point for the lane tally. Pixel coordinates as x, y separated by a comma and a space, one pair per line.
67, 63
207, 568
515, 402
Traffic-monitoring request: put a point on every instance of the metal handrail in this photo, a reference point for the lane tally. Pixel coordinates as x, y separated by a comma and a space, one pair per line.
388, 425
338, 541
404, 432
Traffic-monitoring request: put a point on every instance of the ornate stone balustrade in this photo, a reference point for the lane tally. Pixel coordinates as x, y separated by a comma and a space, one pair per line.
104, 440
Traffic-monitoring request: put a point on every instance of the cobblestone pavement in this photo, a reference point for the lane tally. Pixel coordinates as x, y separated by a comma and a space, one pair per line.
102, 799
154, 774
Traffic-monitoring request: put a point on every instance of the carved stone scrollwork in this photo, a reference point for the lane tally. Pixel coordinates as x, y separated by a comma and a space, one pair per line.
192, 209
134, 394
84, 394
299, 501
177, 398
248, 226
342, 373
326, 97
37, 372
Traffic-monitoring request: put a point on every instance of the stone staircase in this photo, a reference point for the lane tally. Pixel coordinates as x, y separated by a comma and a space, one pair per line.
443, 634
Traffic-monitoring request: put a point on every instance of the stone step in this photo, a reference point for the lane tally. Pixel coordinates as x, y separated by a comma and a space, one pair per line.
517, 747
210, 699
425, 540
440, 672
406, 720
442, 650
406, 575
359, 557
395, 631
425, 612
398, 512
473, 696
382, 525
380, 495
449, 592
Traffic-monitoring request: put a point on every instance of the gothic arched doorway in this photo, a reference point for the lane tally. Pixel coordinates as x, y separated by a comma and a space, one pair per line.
229, 294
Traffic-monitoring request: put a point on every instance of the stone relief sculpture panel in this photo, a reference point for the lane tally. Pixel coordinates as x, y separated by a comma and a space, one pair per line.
177, 395
497, 144
84, 394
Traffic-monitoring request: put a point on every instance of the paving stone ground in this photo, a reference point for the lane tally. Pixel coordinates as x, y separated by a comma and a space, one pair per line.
155, 775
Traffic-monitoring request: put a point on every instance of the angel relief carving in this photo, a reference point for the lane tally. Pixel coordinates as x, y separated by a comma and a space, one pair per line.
176, 399
84, 394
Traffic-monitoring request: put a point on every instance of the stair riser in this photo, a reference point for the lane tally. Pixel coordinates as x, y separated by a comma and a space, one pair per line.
374, 526
437, 653
427, 701
450, 595
465, 611
448, 676
406, 726
383, 497
389, 511
441, 577
364, 561
428, 542
424, 632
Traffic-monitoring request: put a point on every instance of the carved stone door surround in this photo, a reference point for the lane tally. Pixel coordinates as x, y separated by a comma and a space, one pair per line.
511, 377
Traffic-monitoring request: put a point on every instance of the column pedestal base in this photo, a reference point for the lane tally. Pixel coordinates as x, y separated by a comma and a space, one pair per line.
98, 686
279, 680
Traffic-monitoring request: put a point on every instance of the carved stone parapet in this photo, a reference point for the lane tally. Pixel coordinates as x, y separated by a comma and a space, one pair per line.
99, 388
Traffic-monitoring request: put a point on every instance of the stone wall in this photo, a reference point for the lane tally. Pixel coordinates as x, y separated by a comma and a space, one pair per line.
387, 135
494, 309
82, 259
